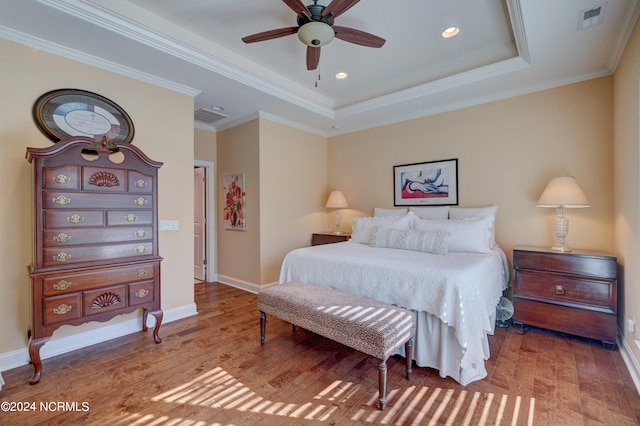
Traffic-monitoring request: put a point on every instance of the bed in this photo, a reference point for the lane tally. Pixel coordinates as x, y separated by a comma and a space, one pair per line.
454, 292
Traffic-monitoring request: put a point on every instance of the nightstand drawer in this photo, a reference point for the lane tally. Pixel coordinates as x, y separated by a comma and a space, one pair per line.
594, 325
564, 290
570, 263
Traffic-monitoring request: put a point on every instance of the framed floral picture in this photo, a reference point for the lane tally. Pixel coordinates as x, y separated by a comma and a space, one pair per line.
234, 202
426, 184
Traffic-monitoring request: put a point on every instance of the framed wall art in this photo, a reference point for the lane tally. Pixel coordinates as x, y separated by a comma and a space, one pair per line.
234, 202
433, 183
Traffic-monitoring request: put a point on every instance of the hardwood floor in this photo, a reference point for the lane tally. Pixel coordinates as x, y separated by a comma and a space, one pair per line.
211, 370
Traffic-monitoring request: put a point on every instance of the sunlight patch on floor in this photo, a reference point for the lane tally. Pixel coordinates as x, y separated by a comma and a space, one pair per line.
219, 390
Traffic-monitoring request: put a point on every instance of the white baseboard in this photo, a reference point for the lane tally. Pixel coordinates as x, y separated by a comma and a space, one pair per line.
633, 365
66, 344
243, 285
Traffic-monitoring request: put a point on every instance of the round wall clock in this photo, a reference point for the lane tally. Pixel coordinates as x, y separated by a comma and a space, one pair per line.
63, 113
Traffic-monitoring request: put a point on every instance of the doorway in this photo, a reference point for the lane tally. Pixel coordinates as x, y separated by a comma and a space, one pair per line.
204, 221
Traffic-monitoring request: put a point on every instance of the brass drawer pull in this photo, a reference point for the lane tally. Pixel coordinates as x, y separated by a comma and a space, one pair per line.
75, 219
130, 217
62, 309
142, 293
61, 257
560, 289
141, 233
140, 183
141, 249
141, 273
61, 285
61, 200
140, 201
61, 179
61, 238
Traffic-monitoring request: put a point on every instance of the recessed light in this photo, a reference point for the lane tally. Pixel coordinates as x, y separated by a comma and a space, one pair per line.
341, 75
450, 32
216, 108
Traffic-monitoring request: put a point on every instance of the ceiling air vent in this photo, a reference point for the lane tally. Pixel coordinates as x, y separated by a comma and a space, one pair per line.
591, 17
208, 115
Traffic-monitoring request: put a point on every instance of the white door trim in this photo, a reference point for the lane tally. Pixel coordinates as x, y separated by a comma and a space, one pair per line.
210, 212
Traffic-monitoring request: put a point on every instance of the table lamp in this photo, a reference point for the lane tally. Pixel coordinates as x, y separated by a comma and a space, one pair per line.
337, 201
562, 192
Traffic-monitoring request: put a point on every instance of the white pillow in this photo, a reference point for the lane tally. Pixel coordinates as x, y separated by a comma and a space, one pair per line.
428, 242
467, 235
475, 212
362, 227
378, 212
433, 213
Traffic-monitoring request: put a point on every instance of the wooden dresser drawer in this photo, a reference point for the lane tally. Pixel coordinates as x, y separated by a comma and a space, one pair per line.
581, 322
125, 217
103, 180
75, 282
63, 177
73, 218
104, 300
69, 237
79, 254
86, 200
139, 182
571, 263
563, 289
59, 309
141, 293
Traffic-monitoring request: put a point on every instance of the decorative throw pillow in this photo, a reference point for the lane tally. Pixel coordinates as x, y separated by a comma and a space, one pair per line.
362, 227
467, 235
432, 213
476, 212
378, 212
428, 242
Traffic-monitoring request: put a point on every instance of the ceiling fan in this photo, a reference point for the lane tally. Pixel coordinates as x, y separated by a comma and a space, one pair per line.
315, 28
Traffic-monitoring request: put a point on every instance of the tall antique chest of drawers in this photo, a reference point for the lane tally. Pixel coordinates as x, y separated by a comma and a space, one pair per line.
95, 237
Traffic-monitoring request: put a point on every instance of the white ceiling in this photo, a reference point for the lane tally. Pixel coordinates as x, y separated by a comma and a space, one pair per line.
505, 48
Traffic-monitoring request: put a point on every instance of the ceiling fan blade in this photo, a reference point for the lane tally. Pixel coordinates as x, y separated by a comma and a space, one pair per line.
271, 34
358, 37
313, 57
338, 7
299, 8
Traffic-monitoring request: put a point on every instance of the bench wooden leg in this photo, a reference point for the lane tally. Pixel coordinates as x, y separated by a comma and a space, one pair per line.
263, 326
382, 383
408, 351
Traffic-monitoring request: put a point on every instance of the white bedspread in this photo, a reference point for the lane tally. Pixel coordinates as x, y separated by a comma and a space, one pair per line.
461, 289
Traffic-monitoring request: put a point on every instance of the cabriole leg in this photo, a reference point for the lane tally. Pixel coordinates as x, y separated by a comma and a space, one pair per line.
34, 354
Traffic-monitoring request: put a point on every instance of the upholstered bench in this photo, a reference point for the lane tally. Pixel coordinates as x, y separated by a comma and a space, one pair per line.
367, 325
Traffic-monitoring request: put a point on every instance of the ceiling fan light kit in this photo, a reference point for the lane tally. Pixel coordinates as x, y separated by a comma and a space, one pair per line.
315, 28
316, 34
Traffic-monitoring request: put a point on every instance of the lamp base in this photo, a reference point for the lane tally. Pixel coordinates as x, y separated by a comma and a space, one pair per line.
561, 248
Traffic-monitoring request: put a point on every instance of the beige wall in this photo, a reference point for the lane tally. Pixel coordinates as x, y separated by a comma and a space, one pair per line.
507, 151
27, 73
239, 251
285, 180
205, 143
293, 178
627, 186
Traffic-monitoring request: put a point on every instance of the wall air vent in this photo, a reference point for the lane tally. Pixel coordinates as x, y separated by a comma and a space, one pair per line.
591, 17
209, 116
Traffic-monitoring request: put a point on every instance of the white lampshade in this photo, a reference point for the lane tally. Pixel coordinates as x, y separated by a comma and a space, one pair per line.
563, 191
316, 34
336, 201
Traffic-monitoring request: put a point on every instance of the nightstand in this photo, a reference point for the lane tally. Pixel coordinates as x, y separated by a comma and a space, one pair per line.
574, 292
328, 238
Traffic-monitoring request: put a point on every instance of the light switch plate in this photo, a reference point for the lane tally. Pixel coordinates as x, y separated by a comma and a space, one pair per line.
169, 225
